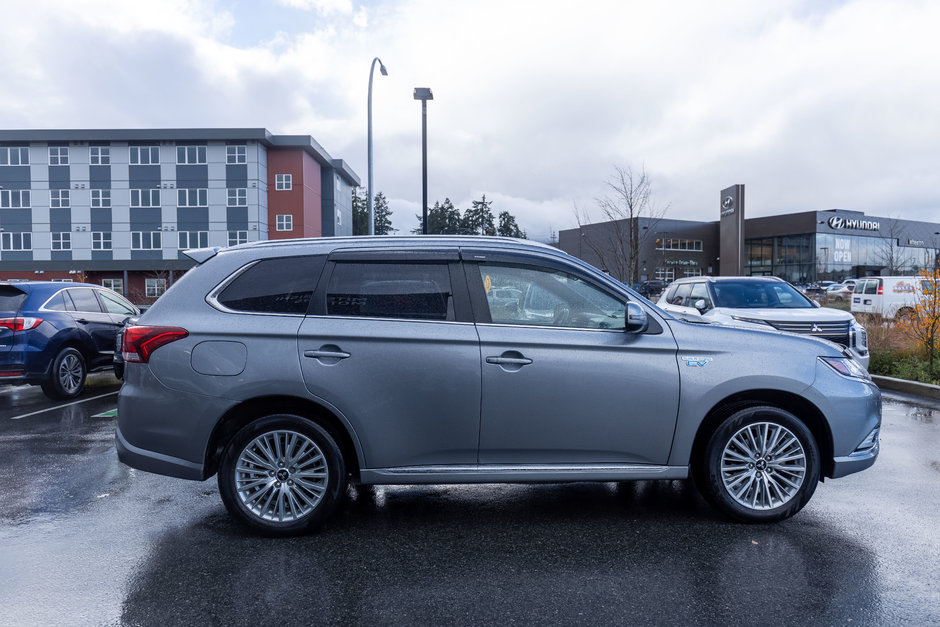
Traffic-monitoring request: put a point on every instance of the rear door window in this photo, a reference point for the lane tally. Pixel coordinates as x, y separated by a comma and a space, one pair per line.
85, 300
274, 286
417, 291
115, 304
871, 286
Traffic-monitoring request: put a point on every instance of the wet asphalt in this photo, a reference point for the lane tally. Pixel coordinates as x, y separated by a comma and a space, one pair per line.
85, 540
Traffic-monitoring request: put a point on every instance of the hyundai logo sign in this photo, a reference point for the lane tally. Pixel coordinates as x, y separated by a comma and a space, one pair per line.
840, 223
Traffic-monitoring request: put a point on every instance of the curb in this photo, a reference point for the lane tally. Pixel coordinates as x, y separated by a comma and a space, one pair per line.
907, 387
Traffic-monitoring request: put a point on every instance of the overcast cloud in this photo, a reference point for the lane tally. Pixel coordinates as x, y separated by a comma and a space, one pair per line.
810, 104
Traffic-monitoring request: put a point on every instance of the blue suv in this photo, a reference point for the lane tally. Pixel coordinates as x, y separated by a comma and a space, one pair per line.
53, 334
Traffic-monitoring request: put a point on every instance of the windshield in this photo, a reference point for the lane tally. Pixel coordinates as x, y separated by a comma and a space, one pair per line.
756, 294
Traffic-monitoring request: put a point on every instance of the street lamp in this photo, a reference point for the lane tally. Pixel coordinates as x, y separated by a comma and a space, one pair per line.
369, 194
424, 94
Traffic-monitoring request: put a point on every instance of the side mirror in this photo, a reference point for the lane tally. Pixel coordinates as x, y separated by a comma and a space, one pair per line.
701, 306
637, 321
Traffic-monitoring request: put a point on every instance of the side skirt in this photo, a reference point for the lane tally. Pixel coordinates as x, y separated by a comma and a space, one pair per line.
522, 473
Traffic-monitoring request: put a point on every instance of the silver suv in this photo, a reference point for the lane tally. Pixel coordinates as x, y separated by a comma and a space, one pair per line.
291, 368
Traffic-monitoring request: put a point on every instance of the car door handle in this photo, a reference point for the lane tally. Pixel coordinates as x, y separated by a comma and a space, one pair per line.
509, 361
326, 354
81, 320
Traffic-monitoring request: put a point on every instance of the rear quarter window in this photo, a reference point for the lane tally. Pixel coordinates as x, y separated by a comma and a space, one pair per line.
282, 285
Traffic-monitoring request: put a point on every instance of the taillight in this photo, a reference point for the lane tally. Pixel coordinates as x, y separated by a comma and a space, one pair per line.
880, 290
140, 341
20, 324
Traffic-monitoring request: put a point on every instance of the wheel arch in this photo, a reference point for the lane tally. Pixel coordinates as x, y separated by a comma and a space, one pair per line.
247, 411
800, 407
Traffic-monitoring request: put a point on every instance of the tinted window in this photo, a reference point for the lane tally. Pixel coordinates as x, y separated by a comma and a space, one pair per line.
391, 290
282, 285
871, 286
539, 296
85, 300
11, 299
116, 305
60, 302
756, 294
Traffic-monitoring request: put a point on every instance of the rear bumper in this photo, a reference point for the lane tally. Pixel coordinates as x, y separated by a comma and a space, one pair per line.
155, 462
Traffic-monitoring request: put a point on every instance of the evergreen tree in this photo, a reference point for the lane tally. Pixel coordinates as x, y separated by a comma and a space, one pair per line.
443, 219
382, 223
508, 226
478, 219
360, 213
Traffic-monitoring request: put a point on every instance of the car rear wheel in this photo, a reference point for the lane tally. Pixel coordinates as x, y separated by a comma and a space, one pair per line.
282, 474
761, 465
67, 376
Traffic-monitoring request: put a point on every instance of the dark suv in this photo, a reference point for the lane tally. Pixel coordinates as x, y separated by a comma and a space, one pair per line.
53, 334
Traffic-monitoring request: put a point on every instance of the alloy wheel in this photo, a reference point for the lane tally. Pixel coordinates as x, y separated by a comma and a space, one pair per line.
763, 466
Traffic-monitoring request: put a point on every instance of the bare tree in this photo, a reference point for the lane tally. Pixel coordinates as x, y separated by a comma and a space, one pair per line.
891, 254
617, 242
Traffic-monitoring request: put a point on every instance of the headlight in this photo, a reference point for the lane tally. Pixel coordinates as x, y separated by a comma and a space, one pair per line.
861, 337
751, 320
847, 367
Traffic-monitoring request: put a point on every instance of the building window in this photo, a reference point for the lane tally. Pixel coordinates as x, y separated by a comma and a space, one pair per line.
14, 198
145, 155
146, 240
59, 198
237, 237
14, 156
284, 223
99, 155
193, 239
694, 245
192, 197
190, 155
101, 240
282, 182
58, 155
16, 241
116, 285
62, 241
666, 274
145, 198
237, 197
155, 287
236, 154
692, 272
101, 198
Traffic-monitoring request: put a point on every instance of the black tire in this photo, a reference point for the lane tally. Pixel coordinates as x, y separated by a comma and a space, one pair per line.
119, 371
768, 493
282, 493
67, 375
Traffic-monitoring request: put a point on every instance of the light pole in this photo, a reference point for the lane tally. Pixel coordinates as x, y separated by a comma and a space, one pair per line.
424, 94
369, 193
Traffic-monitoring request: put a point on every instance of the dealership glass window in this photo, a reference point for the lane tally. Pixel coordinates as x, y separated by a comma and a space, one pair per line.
146, 240
144, 155
59, 198
236, 154
282, 182
154, 287
16, 241
58, 155
190, 155
282, 285
284, 222
101, 240
533, 296
14, 198
101, 198
694, 245
192, 198
99, 155
145, 198
416, 291
692, 272
62, 241
14, 156
237, 196
237, 237
193, 239
113, 284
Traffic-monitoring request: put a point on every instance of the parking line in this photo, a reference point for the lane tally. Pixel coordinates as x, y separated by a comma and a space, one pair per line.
42, 411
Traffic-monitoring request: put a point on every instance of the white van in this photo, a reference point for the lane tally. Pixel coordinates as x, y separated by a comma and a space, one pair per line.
887, 295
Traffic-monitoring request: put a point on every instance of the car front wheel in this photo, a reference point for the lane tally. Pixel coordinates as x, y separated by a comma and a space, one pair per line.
67, 376
761, 465
282, 475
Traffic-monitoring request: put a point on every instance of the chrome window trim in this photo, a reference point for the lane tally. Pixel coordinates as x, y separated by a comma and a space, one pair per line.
212, 299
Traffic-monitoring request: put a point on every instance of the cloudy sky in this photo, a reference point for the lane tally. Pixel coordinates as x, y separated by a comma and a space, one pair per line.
812, 104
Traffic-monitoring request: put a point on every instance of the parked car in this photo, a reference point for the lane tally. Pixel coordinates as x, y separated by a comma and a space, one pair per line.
53, 334
888, 296
767, 303
838, 293
651, 288
291, 368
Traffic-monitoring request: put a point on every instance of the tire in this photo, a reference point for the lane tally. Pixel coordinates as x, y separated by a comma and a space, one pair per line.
745, 451
67, 375
282, 475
